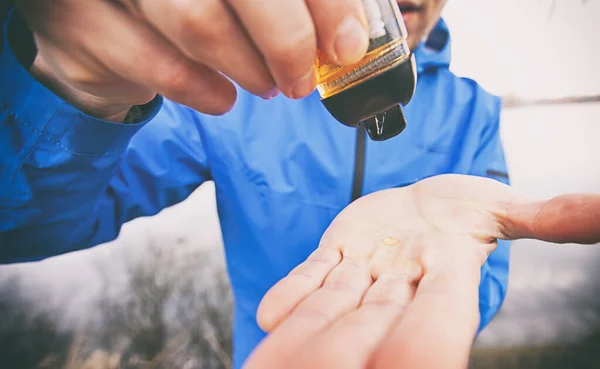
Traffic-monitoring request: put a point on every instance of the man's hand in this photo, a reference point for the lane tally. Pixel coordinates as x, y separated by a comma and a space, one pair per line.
394, 283
106, 55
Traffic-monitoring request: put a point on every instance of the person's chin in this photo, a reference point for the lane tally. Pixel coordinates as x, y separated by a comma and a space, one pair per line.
410, 17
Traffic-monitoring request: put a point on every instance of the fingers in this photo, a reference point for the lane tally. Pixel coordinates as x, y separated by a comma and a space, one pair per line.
438, 326
136, 53
105, 41
341, 29
306, 278
182, 49
206, 31
284, 33
391, 289
341, 292
573, 218
352, 339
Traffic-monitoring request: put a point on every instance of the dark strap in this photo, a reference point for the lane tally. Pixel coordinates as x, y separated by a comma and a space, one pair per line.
359, 162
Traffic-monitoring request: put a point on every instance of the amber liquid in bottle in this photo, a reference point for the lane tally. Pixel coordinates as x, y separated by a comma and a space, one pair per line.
373, 87
332, 79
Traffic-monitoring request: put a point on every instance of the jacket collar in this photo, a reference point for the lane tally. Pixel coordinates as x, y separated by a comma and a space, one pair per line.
435, 51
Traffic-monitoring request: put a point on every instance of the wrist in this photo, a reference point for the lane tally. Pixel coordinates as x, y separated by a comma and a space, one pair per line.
92, 105
25, 48
41, 120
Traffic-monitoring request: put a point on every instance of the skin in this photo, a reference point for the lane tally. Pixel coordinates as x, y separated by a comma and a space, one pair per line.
401, 279
106, 56
394, 282
420, 16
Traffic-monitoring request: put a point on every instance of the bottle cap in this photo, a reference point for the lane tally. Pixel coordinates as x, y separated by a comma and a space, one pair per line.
386, 125
376, 101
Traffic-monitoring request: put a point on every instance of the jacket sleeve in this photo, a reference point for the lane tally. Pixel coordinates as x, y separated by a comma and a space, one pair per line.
489, 161
69, 181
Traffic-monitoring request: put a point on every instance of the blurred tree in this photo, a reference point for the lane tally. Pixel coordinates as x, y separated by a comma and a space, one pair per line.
28, 338
177, 313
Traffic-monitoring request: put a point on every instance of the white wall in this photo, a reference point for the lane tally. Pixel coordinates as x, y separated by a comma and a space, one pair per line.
528, 47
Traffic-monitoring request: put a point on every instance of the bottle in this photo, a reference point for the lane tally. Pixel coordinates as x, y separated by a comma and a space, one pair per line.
369, 93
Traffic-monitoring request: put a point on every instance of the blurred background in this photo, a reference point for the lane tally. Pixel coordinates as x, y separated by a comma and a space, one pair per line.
158, 296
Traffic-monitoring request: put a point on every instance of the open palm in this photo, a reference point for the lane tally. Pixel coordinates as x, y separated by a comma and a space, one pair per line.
385, 266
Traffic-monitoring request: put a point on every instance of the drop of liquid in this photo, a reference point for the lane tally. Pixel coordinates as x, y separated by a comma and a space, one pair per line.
379, 120
390, 241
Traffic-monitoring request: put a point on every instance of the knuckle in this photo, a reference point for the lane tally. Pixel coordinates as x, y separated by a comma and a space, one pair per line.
342, 287
201, 20
359, 266
325, 255
385, 302
295, 54
304, 273
173, 76
313, 314
394, 277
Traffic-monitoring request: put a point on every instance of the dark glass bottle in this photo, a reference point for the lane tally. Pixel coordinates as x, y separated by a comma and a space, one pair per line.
370, 92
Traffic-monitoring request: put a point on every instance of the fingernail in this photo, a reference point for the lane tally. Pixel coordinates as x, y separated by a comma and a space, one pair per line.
305, 85
351, 41
271, 94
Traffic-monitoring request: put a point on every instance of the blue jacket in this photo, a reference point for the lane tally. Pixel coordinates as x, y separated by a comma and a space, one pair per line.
283, 169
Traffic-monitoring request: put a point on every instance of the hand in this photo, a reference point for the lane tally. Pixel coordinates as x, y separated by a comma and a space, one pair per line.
394, 283
106, 55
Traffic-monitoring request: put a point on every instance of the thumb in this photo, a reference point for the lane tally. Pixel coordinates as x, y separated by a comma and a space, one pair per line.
571, 218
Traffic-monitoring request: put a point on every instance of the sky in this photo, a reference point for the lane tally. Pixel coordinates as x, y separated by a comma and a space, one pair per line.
529, 48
